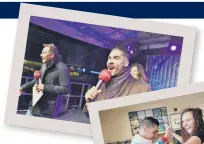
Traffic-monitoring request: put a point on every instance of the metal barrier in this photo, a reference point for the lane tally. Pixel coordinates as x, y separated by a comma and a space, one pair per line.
69, 96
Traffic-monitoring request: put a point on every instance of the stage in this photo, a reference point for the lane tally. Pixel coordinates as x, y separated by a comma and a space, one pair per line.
74, 115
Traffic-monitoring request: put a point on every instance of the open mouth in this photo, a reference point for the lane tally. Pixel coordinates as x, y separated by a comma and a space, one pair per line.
188, 129
111, 67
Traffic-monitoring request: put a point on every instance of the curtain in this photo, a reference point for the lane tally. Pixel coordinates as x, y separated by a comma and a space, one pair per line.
162, 71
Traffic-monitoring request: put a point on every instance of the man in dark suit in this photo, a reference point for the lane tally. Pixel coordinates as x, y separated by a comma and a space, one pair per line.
55, 80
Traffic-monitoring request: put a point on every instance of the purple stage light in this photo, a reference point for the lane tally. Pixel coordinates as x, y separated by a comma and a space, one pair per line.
173, 48
128, 48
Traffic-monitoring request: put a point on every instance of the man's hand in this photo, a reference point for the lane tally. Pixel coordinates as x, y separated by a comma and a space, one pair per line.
168, 133
20, 92
91, 94
39, 87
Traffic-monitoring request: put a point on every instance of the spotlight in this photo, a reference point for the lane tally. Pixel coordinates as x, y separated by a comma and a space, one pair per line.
94, 72
72, 68
128, 48
173, 48
79, 70
131, 51
84, 70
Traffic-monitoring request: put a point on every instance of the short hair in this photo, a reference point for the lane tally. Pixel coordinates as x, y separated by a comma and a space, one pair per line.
124, 50
53, 49
149, 122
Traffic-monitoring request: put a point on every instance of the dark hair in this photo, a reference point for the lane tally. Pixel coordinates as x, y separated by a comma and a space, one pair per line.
198, 122
149, 122
141, 75
124, 50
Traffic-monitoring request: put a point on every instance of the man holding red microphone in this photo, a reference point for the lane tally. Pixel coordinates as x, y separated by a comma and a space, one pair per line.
52, 80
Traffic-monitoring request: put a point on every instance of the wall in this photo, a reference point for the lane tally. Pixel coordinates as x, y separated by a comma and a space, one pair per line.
116, 125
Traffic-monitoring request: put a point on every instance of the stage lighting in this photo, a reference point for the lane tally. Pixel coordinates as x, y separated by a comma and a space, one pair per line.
173, 48
94, 72
128, 48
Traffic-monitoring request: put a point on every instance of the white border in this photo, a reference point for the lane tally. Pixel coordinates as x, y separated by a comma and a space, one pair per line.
95, 107
27, 10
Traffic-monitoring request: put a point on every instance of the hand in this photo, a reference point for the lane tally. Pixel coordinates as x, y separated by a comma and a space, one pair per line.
91, 93
168, 133
39, 87
20, 92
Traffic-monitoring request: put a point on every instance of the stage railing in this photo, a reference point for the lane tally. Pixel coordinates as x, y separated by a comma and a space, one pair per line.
69, 96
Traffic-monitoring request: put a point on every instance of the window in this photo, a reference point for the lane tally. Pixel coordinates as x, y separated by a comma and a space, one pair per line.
159, 113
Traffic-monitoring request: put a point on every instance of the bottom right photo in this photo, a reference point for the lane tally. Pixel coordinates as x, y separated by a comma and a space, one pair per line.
177, 120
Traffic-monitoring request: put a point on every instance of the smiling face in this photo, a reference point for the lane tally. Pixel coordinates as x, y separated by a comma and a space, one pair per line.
116, 62
134, 72
188, 122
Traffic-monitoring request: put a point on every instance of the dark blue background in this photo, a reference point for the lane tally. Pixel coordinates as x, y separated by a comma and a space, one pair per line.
129, 9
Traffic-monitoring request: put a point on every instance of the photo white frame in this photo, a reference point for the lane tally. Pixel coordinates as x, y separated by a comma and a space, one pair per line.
96, 107
27, 10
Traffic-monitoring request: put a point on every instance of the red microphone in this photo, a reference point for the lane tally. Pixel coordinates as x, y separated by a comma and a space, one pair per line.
37, 75
104, 76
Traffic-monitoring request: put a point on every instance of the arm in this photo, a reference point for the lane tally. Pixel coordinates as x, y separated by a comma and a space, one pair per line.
178, 137
164, 139
31, 83
28, 85
193, 140
63, 87
90, 97
85, 110
160, 141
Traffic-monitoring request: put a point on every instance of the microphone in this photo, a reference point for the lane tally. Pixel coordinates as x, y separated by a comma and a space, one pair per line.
37, 75
103, 77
